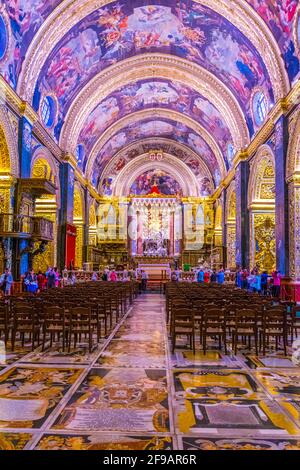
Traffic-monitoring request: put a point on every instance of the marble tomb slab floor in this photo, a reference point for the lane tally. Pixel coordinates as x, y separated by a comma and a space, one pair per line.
14, 440
217, 384
104, 442
271, 361
56, 355
211, 360
29, 394
283, 383
132, 393
245, 417
209, 443
133, 354
118, 400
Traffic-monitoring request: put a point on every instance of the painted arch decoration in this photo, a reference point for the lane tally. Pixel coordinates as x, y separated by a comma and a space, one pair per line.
163, 147
151, 93
185, 29
155, 128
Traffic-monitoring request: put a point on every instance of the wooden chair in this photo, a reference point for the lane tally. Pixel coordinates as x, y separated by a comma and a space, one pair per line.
80, 323
214, 325
55, 323
183, 324
25, 320
274, 325
245, 326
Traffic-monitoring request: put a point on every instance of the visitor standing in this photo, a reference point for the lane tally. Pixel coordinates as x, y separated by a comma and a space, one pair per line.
206, 276
276, 283
200, 277
6, 282
264, 283
221, 276
51, 279
144, 280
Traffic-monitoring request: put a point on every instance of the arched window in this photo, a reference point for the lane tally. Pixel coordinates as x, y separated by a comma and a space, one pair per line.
48, 110
260, 108
3, 38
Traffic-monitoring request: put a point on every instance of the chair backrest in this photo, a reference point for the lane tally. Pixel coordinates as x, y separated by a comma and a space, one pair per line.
80, 315
246, 318
274, 319
183, 315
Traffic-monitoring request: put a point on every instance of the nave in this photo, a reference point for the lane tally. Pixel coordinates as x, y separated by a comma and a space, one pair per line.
130, 392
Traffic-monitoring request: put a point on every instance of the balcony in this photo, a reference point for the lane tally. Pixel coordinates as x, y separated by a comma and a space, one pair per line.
25, 227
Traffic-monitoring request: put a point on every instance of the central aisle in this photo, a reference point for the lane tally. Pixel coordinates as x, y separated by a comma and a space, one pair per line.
131, 394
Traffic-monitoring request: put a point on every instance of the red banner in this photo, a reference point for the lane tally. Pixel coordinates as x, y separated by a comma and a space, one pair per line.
71, 233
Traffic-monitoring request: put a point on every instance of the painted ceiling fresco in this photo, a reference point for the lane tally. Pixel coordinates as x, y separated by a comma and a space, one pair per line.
279, 15
155, 128
151, 94
25, 18
158, 181
184, 28
206, 185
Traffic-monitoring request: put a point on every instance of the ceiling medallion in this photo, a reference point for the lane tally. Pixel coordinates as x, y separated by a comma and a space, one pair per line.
156, 155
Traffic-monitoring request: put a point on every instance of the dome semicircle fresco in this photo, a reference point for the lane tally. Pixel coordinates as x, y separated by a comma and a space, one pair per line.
162, 146
150, 128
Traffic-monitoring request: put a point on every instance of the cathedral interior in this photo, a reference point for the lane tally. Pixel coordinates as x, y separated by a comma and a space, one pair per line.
162, 135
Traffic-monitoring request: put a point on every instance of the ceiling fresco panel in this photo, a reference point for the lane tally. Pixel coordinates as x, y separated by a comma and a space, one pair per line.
185, 29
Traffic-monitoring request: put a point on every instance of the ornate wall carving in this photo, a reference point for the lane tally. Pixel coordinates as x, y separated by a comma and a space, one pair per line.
264, 240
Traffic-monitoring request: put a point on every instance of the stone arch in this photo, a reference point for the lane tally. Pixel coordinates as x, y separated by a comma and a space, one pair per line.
261, 197
157, 113
169, 164
43, 166
262, 177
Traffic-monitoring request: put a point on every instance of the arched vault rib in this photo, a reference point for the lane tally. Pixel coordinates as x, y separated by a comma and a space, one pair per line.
70, 12
171, 147
154, 66
171, 165
155, 114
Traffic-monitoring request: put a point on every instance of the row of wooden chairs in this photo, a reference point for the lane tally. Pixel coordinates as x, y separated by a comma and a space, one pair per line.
65, 314
216, 324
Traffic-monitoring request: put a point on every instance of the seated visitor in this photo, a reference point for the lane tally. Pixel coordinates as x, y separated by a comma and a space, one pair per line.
94, 276
30, 282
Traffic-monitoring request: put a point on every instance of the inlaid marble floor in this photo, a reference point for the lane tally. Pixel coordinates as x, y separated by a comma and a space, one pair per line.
131, 393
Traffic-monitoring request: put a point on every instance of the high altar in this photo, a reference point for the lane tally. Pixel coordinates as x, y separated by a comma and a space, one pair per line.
156, 229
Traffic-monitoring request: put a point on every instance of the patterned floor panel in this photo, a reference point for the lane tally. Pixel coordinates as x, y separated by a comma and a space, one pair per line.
131, 393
